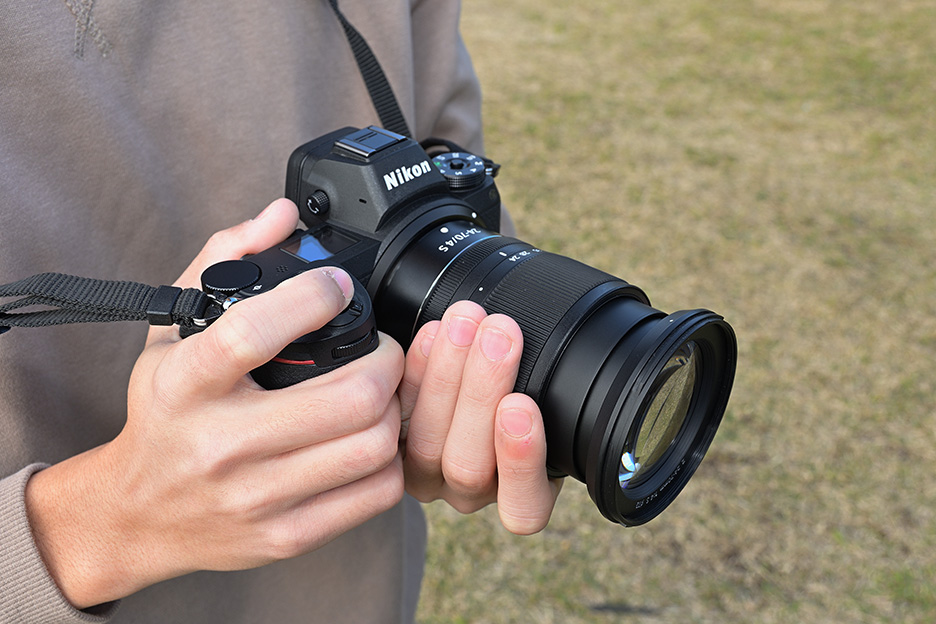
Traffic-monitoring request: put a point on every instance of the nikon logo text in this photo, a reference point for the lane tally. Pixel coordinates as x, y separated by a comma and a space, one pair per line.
402, 175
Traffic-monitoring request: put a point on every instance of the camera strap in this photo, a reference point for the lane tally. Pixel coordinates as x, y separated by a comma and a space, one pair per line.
62, 299
388, 109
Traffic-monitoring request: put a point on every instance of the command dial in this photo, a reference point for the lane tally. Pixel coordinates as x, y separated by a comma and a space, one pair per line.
461, 169
228, 277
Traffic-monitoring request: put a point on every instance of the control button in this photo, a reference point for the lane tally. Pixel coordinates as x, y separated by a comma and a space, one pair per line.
318, 203
348, 315
356, 347
229, 277
369, 140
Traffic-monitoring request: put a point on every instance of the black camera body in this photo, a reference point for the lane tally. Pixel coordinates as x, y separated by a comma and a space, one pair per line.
359, 191
631, 397
375, 193
371, 183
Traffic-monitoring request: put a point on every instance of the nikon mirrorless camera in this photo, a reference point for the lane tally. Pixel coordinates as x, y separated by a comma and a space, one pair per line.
631, 396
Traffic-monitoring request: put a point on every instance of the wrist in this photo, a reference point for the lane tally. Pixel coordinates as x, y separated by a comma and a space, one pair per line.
79, 528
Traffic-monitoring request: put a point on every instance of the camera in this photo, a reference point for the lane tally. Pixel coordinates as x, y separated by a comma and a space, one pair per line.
631, 396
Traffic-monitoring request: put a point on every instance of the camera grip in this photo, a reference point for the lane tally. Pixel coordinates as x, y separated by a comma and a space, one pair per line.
350, 335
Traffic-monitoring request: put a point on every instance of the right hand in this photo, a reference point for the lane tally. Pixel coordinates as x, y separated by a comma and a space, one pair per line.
211, 472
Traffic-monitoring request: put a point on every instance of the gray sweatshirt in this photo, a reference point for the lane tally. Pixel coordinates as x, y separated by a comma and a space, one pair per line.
129, 132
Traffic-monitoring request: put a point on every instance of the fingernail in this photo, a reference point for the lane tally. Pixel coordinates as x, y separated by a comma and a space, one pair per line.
495, 344
425, 347
461, 331
343, 280
516, 423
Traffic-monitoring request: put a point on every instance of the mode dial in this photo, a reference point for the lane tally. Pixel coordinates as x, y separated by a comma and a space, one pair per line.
461, 169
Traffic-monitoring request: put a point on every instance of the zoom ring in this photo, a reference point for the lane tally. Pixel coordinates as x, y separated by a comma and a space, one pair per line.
510, 277
537, 293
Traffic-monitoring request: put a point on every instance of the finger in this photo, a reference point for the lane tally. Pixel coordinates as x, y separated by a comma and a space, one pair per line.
349, 399
273, 225
417, 359
469, 460
253, 331
323, 517
294, 476
438, 395
525, 494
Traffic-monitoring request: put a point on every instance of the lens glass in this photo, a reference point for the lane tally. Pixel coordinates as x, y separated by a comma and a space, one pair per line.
669, 403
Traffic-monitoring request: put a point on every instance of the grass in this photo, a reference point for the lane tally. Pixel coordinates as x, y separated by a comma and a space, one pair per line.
774, 161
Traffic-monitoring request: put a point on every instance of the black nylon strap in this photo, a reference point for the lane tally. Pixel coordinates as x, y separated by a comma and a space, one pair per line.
68, 299
388, 109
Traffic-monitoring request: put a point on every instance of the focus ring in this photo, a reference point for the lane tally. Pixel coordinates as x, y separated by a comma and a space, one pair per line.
455, 274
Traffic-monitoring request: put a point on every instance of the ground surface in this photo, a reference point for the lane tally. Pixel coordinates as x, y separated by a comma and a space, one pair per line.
774, 161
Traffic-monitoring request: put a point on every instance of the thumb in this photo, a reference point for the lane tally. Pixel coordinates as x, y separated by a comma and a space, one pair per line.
273, 225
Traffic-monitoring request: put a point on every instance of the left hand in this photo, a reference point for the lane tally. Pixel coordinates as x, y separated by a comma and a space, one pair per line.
469, 439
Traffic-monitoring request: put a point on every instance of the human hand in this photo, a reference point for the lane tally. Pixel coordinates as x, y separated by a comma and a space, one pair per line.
469, 439
213, 472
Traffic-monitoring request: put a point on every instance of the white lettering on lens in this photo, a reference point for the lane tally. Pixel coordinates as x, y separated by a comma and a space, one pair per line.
402, 175
521, 254
660, 489
457, 238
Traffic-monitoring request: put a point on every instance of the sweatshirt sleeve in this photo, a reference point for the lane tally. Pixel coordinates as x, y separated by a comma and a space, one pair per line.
28, 595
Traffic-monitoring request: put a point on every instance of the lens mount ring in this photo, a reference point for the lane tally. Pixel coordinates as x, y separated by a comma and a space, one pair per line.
398, 241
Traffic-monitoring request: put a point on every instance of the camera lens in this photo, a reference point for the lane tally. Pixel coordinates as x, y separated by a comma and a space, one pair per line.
631, 397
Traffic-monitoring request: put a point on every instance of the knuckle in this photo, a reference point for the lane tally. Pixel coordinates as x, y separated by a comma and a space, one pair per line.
422, 451
221, 237
366, 401
242, 504
165, 392
471, 482
378, 450
391, 490
522, 473
423, 485
481, 398
523, 523
444, 385
284, 540
421, 493
218, 241
210, 455
163, 386
467, 505
234, 341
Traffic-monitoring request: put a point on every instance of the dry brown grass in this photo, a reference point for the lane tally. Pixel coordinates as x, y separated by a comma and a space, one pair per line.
774, 161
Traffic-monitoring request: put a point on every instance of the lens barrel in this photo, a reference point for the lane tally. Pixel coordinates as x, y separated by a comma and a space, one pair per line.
631, 397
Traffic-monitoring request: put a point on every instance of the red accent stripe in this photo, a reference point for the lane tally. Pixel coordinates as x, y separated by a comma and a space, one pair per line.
279, 360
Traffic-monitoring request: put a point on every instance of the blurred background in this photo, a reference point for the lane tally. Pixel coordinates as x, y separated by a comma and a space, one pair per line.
773, 161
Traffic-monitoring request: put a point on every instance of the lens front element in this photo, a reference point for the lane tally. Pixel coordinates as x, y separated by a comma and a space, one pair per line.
670, 402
